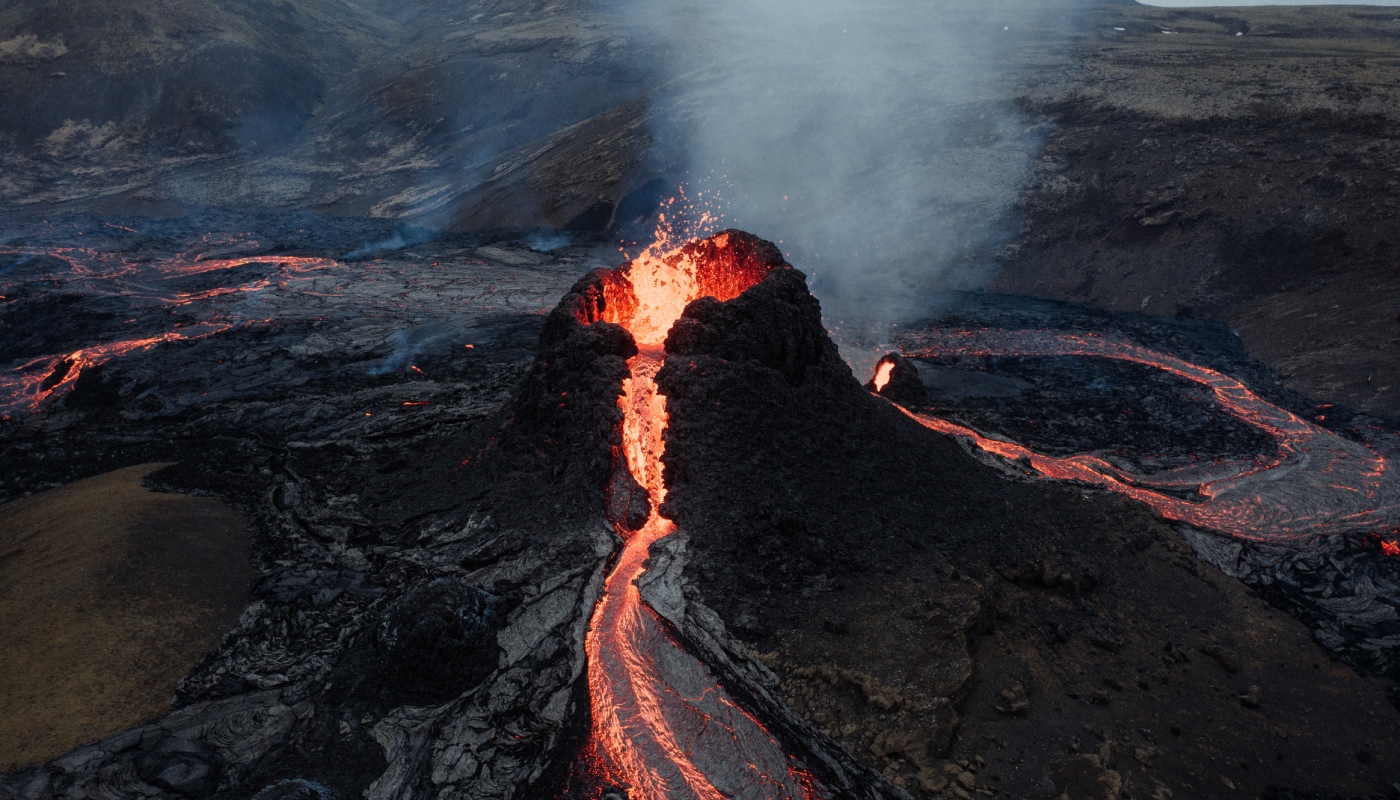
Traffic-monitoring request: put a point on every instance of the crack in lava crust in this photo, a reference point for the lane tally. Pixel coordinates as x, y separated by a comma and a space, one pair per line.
1319, 482
662, 724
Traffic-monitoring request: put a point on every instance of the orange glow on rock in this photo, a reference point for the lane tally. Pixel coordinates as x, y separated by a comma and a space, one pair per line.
30, 385
647, 295
34, 383
1390, 548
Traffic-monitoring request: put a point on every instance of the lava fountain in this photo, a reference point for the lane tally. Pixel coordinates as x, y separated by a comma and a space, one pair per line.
662, 726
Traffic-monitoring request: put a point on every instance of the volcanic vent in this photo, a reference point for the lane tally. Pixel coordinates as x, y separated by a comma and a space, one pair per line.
663, 723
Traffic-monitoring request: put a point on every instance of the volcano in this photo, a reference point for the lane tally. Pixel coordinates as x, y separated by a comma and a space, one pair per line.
690, 555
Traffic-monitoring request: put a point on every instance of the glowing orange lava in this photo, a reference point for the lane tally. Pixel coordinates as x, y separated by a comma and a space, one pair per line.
34, 382
1317, 483
882, 374
662, 724
117, 273
29, 385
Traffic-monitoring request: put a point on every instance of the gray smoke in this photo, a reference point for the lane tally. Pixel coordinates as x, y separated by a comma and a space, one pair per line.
878, 141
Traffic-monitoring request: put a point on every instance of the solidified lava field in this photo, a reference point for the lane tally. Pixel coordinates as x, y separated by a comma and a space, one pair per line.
388, 409
655, 539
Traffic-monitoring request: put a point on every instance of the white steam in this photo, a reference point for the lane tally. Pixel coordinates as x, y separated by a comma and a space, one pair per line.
878, 141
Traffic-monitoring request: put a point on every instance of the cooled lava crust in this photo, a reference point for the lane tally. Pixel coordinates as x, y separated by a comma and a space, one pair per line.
932, 626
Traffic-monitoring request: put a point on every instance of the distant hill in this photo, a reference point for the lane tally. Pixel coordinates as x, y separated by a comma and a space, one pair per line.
337, 104
473, 114
1234, 163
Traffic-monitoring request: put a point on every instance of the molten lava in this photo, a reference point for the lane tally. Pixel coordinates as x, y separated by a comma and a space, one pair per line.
662, 725
117, 273
882, 374
31, 384
1318, 483
34, 382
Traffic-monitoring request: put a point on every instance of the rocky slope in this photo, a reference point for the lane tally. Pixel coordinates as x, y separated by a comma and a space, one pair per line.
969, 634
956, 632
430, 525
1239, 164
351, 107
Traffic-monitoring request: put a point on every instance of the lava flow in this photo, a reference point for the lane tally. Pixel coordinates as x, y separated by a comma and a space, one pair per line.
1317, 483
662, 725
33, 383
138, 280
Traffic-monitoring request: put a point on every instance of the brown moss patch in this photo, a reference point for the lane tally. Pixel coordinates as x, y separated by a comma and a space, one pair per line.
109, 593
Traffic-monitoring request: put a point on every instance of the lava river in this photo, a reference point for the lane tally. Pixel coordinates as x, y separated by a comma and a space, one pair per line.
663, 727
1316, 483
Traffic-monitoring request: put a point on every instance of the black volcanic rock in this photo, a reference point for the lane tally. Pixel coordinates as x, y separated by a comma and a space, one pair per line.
295, 789
434, 644
568, 401
877, 566
442, 649
187, 766
777, 324
429, 572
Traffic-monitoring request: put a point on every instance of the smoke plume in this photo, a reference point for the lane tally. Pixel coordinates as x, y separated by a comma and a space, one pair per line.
879, 142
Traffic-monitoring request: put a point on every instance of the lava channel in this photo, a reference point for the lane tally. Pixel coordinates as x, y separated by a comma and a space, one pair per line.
663, 727
1317, 483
